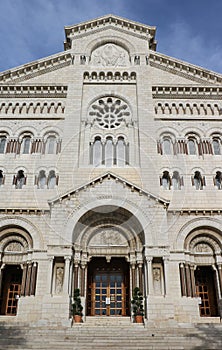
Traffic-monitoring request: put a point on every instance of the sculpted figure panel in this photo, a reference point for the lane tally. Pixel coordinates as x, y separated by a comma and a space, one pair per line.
110, 55
108, 237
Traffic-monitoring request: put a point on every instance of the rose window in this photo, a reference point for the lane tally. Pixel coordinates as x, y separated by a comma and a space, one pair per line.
109, 112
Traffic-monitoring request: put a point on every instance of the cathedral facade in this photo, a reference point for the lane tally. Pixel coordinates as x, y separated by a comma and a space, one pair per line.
110, 179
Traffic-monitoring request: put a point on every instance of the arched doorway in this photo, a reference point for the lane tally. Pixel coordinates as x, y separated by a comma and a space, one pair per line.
17, 275
201, 274
108, 260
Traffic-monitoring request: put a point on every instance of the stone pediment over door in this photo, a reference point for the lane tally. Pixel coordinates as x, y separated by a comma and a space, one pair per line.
108, 187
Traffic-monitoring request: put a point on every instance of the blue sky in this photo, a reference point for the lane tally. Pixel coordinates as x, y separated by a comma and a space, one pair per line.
190, 30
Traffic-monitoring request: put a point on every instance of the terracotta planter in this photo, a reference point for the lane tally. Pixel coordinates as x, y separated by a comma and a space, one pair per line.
77, 318
139, 319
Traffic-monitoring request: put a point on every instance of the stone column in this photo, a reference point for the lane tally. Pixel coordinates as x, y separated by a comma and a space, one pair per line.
49, 277
66, 275
188, 279
140, 269
193, 285
82, 288
220, 276
166, 274
150, 275
1, 274
76, 275
133, 275
183, 280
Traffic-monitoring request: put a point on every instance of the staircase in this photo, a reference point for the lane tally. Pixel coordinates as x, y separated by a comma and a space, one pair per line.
102, 334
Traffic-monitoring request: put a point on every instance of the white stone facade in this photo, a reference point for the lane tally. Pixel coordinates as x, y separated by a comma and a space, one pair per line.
111, 152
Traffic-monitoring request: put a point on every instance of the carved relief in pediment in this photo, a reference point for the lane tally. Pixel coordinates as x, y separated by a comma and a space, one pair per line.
110, 55
108, 237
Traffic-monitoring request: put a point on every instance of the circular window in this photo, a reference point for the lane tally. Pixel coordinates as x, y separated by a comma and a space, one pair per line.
109, 112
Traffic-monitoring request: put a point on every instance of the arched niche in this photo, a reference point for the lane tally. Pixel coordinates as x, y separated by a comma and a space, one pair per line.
108, 230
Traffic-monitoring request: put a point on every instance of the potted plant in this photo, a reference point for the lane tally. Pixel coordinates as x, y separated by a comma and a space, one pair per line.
77, 307
137, 305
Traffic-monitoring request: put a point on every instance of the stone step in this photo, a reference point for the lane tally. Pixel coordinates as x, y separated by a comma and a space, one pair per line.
122, 337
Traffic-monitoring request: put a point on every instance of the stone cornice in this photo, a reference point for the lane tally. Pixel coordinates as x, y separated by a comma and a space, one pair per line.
33, 91
109, 176
36, 68
187, 92
119, 23
26, 211
202, 212
184, 69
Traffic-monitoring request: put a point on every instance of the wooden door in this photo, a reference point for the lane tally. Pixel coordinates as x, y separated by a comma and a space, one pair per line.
108, 292
205, 290
13, 293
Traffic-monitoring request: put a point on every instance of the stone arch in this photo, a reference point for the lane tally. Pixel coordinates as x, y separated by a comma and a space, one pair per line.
124, 43
210, 225
31, 232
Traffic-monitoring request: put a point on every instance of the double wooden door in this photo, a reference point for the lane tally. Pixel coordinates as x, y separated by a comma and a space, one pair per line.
108, 292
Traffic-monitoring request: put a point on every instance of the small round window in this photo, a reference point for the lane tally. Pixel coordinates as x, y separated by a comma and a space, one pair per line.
109, 112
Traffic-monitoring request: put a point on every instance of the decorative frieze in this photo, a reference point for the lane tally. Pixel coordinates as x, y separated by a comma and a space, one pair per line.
187, 92
109, 77
33, 91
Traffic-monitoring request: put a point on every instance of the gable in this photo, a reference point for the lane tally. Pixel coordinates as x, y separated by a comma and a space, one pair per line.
113, 179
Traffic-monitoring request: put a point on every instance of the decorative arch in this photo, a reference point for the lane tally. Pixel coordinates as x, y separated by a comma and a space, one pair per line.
124, 43
210, 225
21, 225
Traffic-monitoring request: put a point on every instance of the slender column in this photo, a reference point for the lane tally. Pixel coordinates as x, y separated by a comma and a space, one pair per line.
183, 280
150, 275
133, 275
28, 279
217, 281
66, 275
193, 286
82, 287
1, 274
188, 279
166, 274
140, 269
33, 278
49, 279
220, 277
76, 274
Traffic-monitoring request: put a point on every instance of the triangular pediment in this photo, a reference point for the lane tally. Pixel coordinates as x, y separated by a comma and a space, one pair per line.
109, 177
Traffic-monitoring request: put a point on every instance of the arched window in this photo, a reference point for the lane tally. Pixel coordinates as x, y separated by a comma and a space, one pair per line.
198, 181
218, 180
97, 152
192, 149
121, 152
42, 179
2, 144
1, 178
26, 143
167, 146
51, 145
20, 179
165, 180
109, 152
52, 179
216, 147
176, 180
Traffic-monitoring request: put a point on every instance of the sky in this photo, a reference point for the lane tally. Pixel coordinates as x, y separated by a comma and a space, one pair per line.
190, 30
